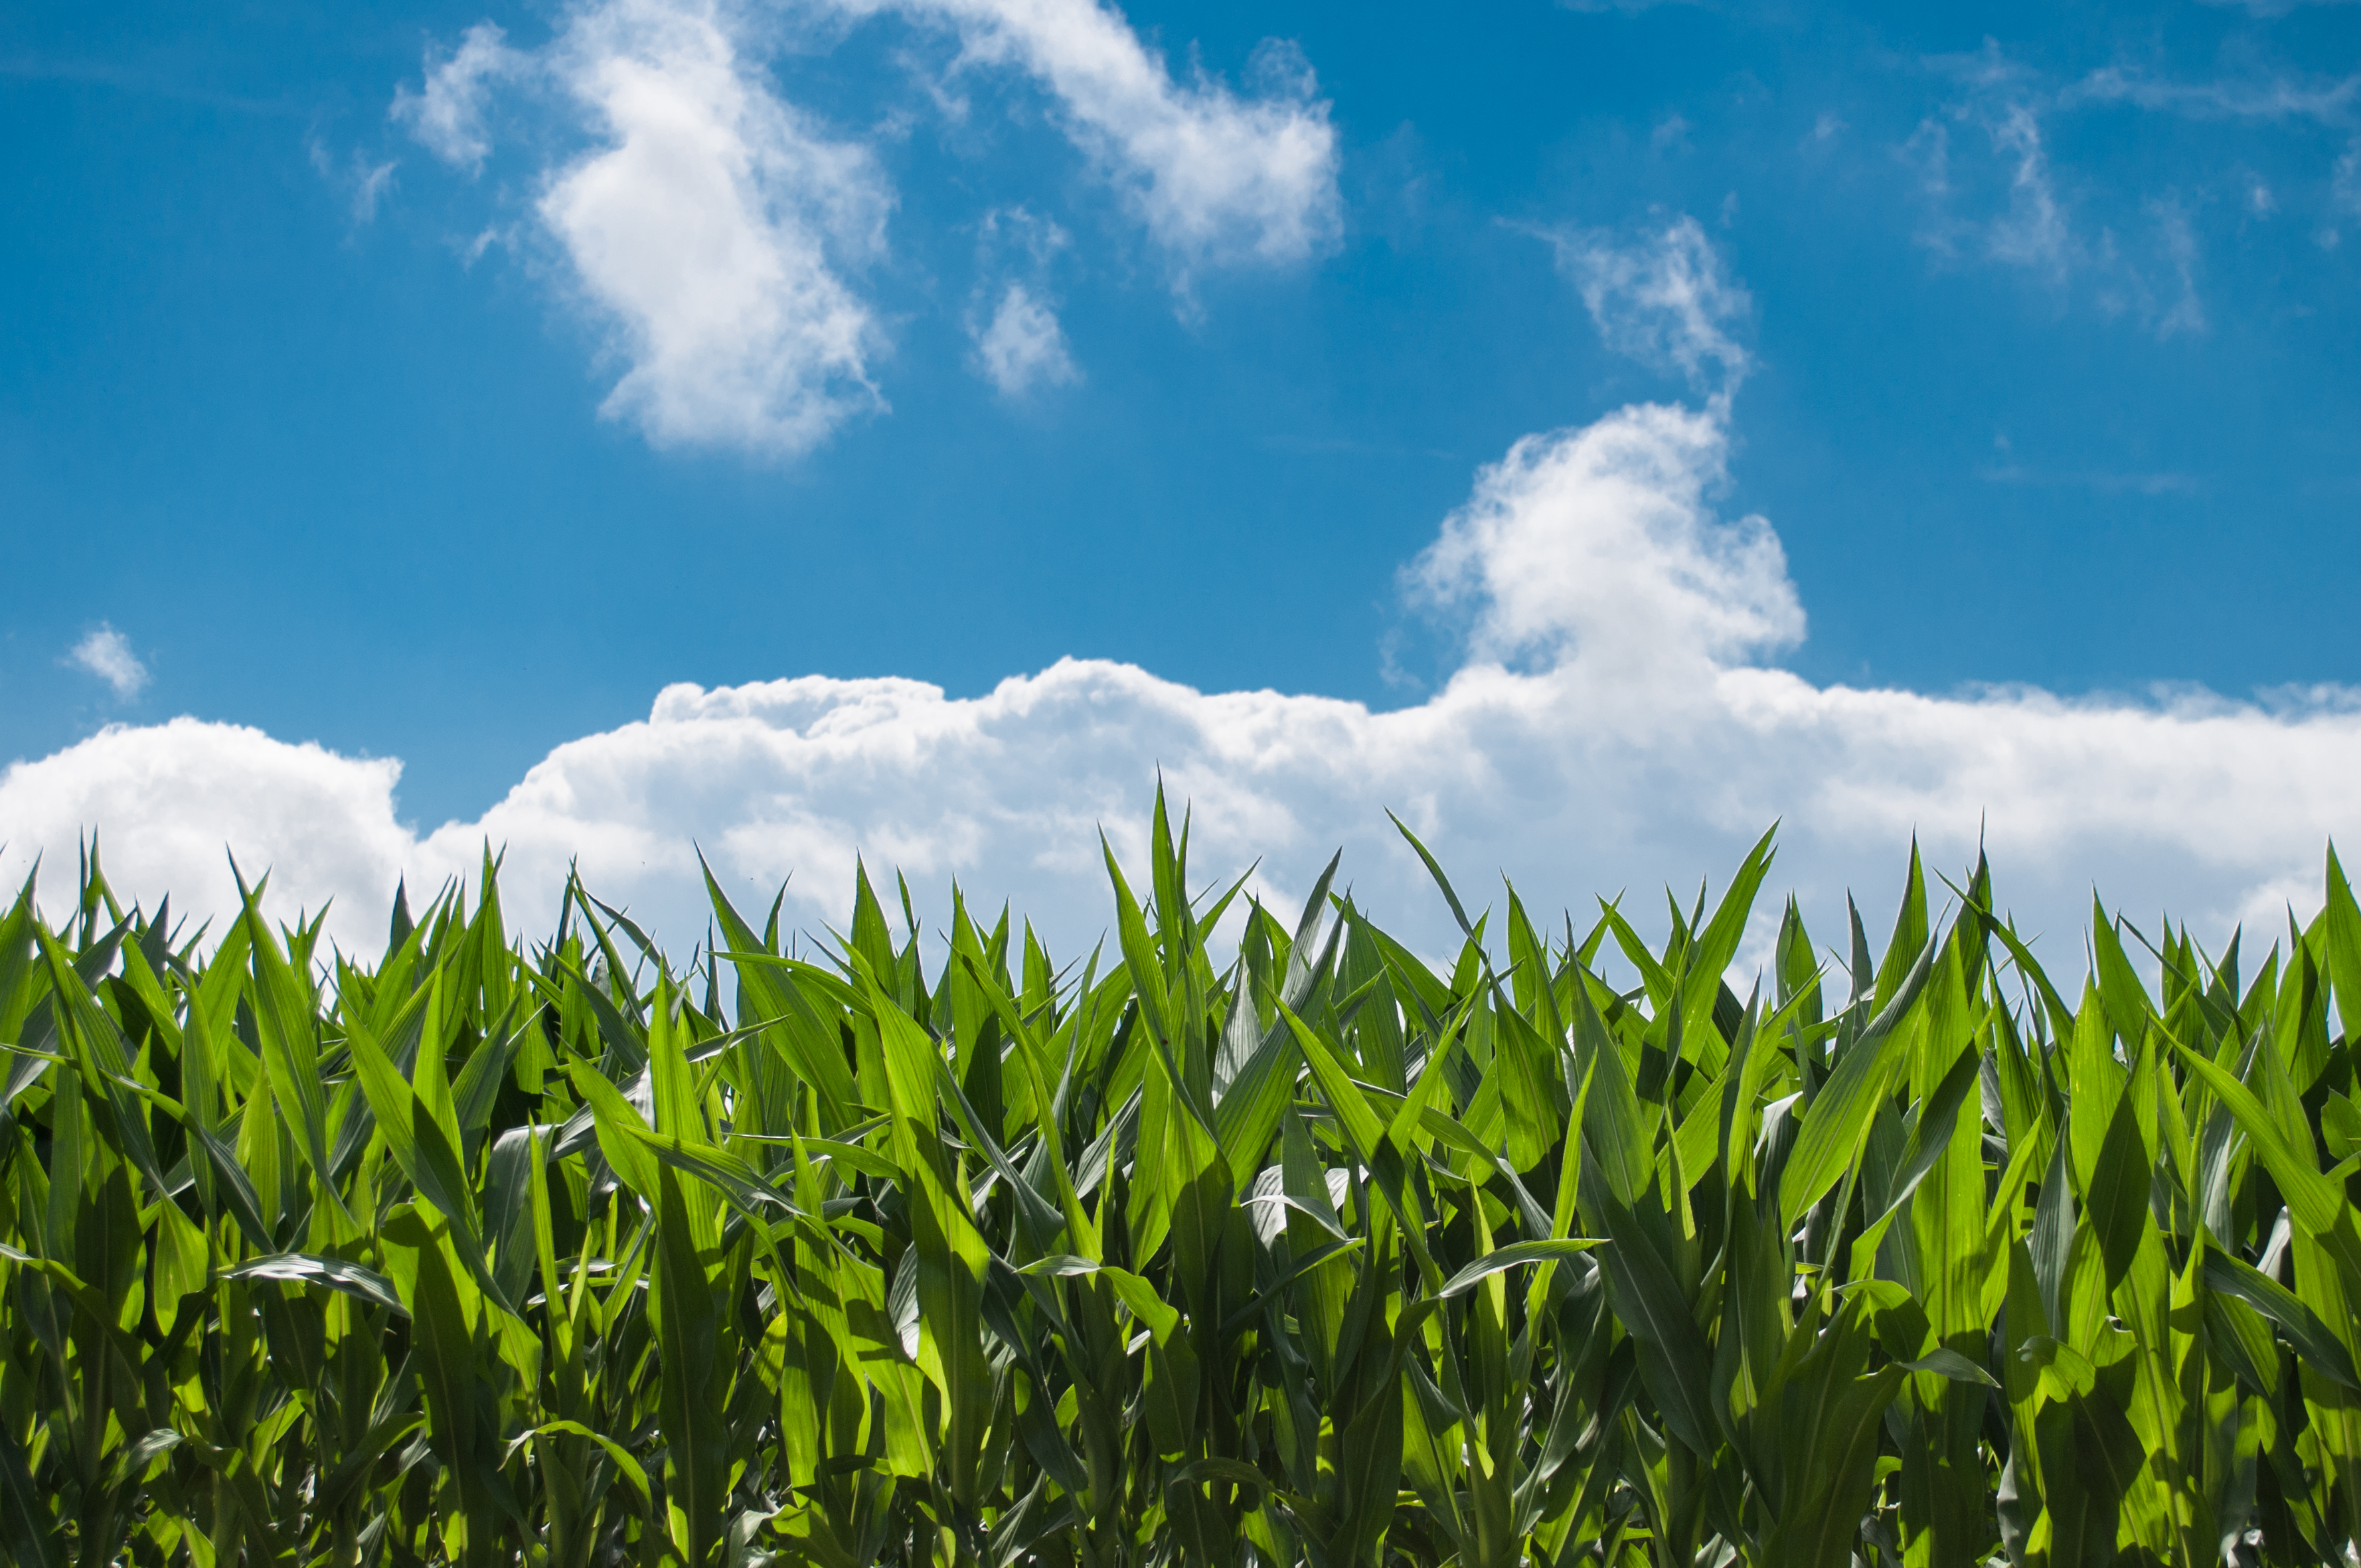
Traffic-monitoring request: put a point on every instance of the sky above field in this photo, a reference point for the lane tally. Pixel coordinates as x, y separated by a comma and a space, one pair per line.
1590, 431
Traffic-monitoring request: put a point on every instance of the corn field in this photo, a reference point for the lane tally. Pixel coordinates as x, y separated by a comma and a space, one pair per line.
864, 1248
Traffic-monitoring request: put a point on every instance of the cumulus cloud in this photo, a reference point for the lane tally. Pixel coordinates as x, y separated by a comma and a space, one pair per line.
1215, 176
1021, 346
716, 232
705, 233
175, 798
1595, 550
1638, 745
107, 654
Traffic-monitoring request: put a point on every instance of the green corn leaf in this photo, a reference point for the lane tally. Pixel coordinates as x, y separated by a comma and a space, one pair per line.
1500, 1259
2316, 1203
290, 1052
1675, 1361
1148, 980
693, 1379
1838, 1121
632, 1473
1365, 1132
1146, 1305
422, 1148
105, 1065
2321, 1350
1209, 1257
330, 1272
1717, 944
1434, 870
1949, 1364
31, 1530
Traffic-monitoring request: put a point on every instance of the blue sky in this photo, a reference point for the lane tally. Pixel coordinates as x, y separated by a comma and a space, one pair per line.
310, 421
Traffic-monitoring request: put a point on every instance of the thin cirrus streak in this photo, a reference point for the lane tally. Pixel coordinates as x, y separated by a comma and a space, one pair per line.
1637, 742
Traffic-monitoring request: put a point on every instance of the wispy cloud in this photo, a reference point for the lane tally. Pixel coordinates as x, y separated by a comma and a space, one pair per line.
2006, 469
1022, 347
446, 111
1661, 296
2029, 224
2274, 8
106, 653
160, 76
1994, 195
2033, 232
717, 233
2281, 97
1627, 8
362, 182
2187, 311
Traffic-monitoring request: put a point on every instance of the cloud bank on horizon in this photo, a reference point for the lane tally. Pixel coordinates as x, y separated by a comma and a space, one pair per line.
1612, 727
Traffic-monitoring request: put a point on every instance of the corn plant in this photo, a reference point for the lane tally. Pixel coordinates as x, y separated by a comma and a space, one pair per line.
884, 1245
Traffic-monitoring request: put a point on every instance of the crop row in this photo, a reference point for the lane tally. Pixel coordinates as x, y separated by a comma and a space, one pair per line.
877, 1249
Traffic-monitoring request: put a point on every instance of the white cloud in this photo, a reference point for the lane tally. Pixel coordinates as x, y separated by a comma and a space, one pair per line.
714, 231
1641, 747
2007, 208
1994, 192
2274, 8
2267, 98
2033, 232
704, 235
1216, 177
172, 801
369, 189
447, 113
107, 654
1022, 347
2101, 481
363, 183
1662, 299
2187, 311
1594, 549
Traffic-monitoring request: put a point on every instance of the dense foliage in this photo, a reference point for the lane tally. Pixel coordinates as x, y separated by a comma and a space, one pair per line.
938, 1252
